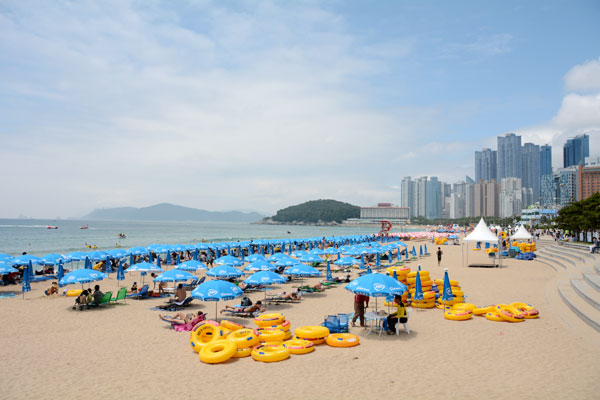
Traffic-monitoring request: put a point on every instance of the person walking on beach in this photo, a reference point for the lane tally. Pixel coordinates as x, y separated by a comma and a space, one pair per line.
439, 255
361, 302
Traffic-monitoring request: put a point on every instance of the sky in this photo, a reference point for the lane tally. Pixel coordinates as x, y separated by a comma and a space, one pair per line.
259, 105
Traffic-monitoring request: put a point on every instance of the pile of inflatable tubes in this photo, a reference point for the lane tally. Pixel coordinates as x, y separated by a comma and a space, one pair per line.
513, 312
271, 341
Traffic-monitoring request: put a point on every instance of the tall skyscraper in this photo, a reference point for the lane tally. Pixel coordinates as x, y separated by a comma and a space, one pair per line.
545, 160
509, 162
433, 198
530, 160
407, 195
511, 197
485, 165
421, 196
486, 199
576, 150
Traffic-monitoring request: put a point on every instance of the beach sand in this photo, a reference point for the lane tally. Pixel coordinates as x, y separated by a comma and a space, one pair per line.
125, 351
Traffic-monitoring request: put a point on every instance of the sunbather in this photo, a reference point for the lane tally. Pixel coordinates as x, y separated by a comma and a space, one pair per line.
293, 295
253, 308
52, 289
180, 318
180, 295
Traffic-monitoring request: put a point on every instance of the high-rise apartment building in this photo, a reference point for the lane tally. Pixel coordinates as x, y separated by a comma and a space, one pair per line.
589, 181
486, 199
433, 198
421, 196
567, 186
469, 199
576, 150
545, 160
509, 162
531, 175
549, 190
485, 165
407, 195
511, 197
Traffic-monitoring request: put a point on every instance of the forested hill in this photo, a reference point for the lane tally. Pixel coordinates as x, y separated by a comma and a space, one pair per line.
317, 211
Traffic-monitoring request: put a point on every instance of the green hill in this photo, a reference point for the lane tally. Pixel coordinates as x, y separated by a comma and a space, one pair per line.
316, 211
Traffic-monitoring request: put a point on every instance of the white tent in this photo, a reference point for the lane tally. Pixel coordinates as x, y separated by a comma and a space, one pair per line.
521, 234
481, 233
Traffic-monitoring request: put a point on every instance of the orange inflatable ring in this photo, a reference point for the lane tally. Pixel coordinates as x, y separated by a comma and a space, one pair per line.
244, 338
217, 351
270, 353
299, 346
269, 319
342, 340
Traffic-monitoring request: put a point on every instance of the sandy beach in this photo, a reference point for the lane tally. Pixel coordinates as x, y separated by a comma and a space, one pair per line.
125, 351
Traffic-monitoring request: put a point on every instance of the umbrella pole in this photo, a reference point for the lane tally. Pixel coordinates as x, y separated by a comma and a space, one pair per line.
216, 315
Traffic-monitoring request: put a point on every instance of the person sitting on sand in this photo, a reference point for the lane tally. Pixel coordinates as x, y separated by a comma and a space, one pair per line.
180, 318
180, 294
52, 289
134, 288
81, 300
253, 308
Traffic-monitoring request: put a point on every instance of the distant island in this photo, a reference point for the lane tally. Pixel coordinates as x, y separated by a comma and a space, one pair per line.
315, 212
170, 212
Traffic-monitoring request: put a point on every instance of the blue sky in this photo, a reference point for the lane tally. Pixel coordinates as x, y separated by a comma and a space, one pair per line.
260, 105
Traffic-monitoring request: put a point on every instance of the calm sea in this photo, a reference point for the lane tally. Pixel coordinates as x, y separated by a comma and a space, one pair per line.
30, 235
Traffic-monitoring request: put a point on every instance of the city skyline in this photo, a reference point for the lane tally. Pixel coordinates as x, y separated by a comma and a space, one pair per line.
258, 106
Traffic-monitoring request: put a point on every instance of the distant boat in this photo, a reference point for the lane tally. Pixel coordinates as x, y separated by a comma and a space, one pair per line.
121, 235
86, 226
51, 227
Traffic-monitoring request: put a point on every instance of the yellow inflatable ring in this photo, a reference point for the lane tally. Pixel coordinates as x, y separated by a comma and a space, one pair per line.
458, 315
493, 316
74, 292
275, 335
482, 310
314, 341
443, 306
529, 312
509, 313
240, 353
413, 274
270, 353
204, 333
429, 304
312, 332
342, 340
285, 326
440, 282
464, 306
288, 335
244, 338
217, 351
269, 319
232, 326
299, 346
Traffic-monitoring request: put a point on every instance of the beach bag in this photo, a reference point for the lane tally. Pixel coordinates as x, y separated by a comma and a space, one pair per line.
246, 302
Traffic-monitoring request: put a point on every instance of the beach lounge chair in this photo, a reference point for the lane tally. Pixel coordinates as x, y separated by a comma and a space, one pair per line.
194, 283
178, 305
278, 300
143, 293
408, 310
104, 300
241, 314
121, 295
186, 327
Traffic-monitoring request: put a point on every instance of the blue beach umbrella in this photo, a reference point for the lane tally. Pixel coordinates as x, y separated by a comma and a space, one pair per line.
117, 253
369, 269
26, 287
144, 267
52, 259
230, 260
376, 285
174, 275
310, 258
25, 259
224, 272
426, 252
328, 275
347, 261
286, 262
302, 270
413, 252
256, 257
216, 290
406, 254
298, 253
88, 263
378, 260
5, 268
418, 287
191, 265
447, 290
259, 265
420, 251
5, 257
120, 272
82, 276
61, 271
138, 251
264, 278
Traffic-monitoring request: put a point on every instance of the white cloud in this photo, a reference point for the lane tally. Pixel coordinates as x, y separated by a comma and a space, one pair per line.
584, 78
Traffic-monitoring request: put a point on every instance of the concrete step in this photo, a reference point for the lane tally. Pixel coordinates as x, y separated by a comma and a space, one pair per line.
580, 307
585, 254
569, 254
550, 260
586, 292
591, 277
552, 254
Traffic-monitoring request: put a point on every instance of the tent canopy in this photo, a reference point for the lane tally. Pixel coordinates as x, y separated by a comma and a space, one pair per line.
521, 234
481, 233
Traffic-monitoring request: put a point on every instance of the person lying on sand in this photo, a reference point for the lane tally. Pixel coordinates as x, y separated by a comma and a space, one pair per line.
180, 318
293, 295
255, 307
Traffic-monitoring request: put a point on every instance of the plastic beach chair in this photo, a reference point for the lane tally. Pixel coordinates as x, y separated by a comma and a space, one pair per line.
121, 295
408, 311
176, 305
143, 293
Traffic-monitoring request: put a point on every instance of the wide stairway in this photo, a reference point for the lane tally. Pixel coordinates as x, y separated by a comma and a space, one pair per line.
578, 280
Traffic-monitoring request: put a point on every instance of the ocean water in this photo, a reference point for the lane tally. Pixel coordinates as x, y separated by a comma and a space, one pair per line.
30, 235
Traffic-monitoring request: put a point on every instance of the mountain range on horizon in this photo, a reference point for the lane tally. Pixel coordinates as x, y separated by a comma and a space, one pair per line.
171, 212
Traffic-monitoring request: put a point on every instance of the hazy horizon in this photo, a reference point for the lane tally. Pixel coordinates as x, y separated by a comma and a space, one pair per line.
263, 105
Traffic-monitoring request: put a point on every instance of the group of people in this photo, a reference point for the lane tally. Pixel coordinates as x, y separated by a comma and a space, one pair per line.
361, 303
88, 297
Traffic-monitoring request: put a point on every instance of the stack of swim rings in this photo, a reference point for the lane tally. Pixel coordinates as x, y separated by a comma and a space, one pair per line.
428, 300
513, 312
401, 273
459, 296
316, 334
460, 312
